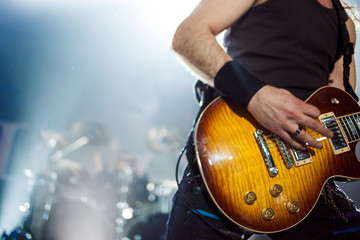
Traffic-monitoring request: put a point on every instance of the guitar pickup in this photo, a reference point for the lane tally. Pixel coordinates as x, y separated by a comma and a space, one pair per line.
339, 142
301, 157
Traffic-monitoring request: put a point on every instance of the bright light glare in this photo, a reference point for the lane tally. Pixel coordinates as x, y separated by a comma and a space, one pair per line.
165, 14
150, 186
127, 213
27, 205
28, 173
22, 208
122, 205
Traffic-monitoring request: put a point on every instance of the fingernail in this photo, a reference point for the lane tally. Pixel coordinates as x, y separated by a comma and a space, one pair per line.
319, 145
330, 135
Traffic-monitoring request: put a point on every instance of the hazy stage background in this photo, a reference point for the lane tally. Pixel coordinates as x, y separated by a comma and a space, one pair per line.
103, 63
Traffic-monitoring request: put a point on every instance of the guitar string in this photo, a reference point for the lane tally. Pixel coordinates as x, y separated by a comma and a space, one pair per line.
333, 126
311, 132
273, 145
271, 140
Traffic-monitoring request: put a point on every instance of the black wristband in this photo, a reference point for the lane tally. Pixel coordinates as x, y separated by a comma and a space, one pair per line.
236, 83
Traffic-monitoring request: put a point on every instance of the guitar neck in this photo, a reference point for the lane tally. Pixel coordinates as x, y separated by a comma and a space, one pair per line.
350, 125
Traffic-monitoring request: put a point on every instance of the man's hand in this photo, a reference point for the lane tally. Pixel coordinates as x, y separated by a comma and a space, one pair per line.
282, 113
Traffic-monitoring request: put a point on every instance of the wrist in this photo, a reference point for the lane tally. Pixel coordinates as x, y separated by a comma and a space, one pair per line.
258, 97
233, 81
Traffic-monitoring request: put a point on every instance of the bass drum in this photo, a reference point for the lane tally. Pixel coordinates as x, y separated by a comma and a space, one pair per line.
74, 221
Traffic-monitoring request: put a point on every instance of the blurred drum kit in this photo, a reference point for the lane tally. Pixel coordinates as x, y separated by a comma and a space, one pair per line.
75, 199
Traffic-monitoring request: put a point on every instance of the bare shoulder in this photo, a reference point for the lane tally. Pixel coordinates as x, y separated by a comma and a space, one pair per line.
217, 15
351, 29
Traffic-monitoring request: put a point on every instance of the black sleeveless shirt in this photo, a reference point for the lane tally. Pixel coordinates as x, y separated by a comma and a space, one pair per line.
290, 44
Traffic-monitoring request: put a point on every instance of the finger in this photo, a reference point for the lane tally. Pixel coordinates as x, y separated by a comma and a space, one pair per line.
288, 138
304, 137
316, 126
298, 134
310, 110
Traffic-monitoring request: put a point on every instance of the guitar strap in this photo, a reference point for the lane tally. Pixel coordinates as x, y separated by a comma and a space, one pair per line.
345, 47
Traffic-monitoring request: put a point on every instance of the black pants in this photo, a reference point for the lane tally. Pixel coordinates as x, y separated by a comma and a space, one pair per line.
322, 223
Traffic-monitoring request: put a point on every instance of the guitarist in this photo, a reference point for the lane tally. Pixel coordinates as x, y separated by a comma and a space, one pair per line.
277, 53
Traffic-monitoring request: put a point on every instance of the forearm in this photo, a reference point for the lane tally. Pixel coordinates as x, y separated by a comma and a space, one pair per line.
198, 48
275, 109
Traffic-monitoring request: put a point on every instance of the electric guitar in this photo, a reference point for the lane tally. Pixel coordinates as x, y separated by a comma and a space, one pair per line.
261, 183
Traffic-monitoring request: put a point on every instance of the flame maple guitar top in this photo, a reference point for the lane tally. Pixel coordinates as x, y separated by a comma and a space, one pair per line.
232, 165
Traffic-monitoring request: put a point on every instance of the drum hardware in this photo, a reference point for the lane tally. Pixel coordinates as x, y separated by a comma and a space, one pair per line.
52, 139
161, 194
64, 185
41, 202
96, 133
133, 199
50, 198
58, 204
58, 192
19, 233
125, 177
59, 154
67, 190
150, 222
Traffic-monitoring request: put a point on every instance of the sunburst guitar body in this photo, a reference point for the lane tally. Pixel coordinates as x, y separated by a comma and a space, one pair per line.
259, 182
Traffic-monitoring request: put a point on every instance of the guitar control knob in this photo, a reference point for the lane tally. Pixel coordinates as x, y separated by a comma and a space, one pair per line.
250, 198
268, 213
293, 207
276, 190
335, 101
